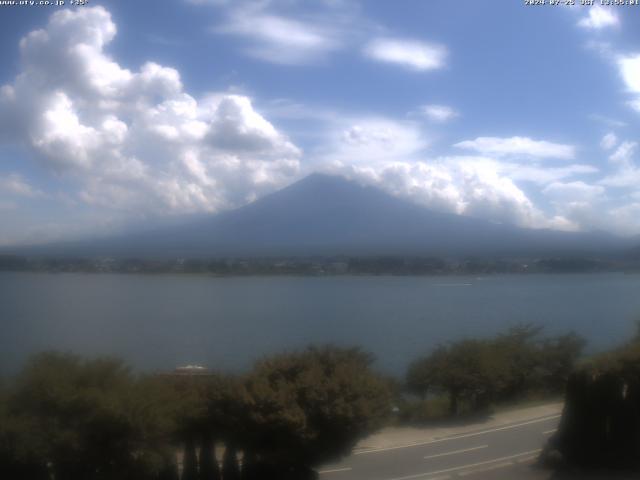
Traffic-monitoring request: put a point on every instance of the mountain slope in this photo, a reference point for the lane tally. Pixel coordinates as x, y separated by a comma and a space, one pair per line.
327, 215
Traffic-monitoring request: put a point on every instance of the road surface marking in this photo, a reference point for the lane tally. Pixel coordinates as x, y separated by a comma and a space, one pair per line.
334, 470
547, 432
455, 451
457, 437
465, 467
527, 459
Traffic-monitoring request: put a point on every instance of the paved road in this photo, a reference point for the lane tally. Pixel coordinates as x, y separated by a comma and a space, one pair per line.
494, 453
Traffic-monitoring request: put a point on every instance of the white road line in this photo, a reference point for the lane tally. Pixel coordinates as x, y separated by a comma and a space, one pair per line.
547, 432
334, 470
527, 459
465, 467
457, 437
456, 451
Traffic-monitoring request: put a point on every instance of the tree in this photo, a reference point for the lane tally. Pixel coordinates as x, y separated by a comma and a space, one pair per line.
600, 425
209, 469
506, 367
312, 406
204, 408
519, 351
472, 371
423, 373
558, 356
467, 370
230, 470
87, 419
190, 461
20, 446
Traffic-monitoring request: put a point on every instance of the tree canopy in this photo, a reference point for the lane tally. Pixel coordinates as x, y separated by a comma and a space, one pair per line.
70, 418
479, 371
600, 424
314, 405
87, 419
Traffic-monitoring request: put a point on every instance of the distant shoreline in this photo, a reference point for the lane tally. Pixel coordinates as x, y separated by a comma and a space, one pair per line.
322, 275
321, 266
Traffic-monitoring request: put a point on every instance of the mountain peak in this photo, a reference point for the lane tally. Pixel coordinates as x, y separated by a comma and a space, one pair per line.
331, 215
320, 177
323, 181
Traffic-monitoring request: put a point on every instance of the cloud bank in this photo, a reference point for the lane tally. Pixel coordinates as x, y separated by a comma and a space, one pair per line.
136, 141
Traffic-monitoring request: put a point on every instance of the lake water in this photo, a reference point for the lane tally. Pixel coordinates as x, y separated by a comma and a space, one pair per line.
159, 322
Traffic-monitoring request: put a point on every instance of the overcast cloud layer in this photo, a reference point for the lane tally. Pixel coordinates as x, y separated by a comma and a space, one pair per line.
111, 144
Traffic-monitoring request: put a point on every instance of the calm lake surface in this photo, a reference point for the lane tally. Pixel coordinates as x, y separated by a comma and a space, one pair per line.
159, 322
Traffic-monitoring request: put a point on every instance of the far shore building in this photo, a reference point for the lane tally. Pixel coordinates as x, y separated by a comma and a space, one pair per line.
189, 371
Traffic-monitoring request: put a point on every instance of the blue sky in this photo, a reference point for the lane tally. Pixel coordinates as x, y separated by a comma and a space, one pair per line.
135, 113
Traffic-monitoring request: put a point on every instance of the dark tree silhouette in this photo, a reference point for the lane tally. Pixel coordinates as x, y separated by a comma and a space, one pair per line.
169, 472
209, 469
250, 467
230, 468
600, 425
190, 460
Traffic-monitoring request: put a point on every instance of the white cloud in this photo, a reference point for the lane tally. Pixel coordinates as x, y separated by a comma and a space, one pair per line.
393, 156
624, 218
439, 113
626, 174
611, 122
629, 68
370, 140
623, 178
412, 54
279, 39
532, 172
581, 205
238, 127
13, 184
609, 141
624, 154
518, 147
135, 142
282, 32
570, 192
451, 186
628, 64
291, 32
599, 18
630, 71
